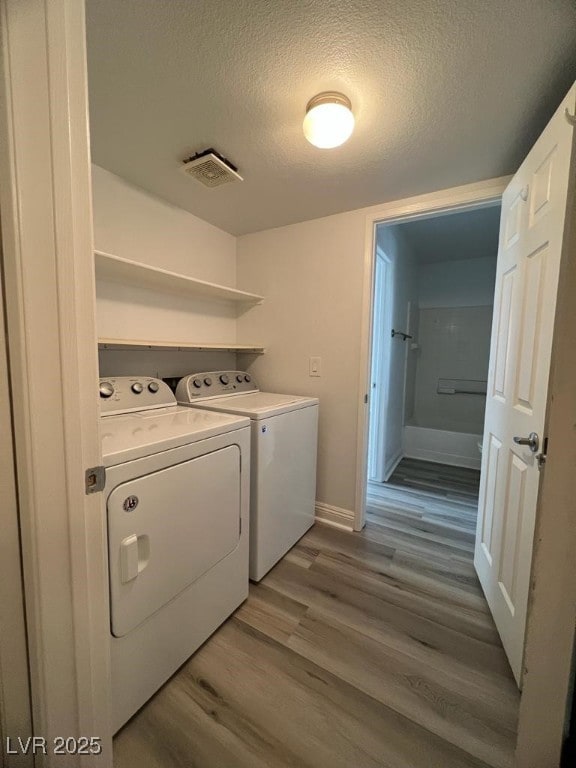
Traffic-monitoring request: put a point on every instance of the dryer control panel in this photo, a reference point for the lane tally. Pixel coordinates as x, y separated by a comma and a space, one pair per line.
124, 394
214, 384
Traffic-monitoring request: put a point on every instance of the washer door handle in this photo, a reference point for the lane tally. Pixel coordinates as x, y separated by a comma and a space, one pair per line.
134, 556
129, 558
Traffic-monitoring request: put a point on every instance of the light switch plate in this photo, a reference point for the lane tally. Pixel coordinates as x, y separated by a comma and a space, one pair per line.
315, 368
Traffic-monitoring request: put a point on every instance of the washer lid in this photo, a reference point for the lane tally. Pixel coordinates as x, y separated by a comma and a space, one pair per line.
257, 405
131, 436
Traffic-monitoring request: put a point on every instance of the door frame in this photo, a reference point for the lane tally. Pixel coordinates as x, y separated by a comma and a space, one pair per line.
15, 704
468, 197
45, 204
380, 361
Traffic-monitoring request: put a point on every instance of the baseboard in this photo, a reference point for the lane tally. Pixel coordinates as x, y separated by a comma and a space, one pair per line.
439, 457
391, 466
335, 516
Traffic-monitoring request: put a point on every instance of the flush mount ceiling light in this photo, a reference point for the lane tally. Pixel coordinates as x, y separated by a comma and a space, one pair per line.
329, 121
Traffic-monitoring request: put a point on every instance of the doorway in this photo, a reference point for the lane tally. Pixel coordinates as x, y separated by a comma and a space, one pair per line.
431, 334
433, 303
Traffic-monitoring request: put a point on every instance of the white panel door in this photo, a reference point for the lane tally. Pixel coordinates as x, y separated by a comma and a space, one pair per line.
531, 239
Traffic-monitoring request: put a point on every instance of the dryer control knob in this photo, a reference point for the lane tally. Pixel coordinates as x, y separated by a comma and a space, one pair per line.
197, 383
224, 379
208, 381
239, 379
153, 386
137, 388
106, 389
247, 378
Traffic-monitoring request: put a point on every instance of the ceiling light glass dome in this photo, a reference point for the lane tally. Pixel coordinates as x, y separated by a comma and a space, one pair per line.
329, 121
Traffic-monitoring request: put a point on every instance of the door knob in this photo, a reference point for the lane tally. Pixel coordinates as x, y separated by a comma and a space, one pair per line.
532, 441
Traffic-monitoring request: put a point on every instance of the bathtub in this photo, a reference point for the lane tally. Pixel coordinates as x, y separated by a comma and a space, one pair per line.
461, 449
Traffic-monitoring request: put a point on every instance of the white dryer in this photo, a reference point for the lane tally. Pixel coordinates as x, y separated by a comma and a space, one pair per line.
177, 513
283, 468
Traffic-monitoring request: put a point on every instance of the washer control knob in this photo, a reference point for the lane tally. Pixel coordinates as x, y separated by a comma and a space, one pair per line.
208, 381
239, 379
247, 378
224, 379
197, 383
137, 388
153, 386
106, 389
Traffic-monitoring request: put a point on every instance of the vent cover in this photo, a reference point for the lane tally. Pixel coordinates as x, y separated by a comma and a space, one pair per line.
211, 169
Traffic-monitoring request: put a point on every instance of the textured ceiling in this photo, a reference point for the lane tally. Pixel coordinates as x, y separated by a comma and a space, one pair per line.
444, 91
456, 236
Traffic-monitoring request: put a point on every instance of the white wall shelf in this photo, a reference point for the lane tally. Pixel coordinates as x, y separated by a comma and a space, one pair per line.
134, 344
119, 270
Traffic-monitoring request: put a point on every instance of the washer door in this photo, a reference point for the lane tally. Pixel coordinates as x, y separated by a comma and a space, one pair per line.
168, 528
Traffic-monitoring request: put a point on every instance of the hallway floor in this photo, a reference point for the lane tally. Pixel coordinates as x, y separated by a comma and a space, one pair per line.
355, 651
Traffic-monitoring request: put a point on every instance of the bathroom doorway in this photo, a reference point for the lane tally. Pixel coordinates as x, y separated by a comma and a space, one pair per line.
430, 354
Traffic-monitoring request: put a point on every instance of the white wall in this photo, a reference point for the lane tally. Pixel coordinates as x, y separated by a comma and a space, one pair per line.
454, 343
131, 223
163, 363
465, 283
311, 275
401, 371
412, 362
455, 300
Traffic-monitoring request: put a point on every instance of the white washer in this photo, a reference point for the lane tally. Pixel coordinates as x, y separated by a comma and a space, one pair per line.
284, 442
177, 505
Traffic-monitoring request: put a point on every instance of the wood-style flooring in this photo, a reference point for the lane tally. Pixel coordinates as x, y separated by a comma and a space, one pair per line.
357, 650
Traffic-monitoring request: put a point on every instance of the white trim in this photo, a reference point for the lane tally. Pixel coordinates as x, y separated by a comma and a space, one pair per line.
470, 196
380, 369
334, 516
15, 705
392, 464
366, 330
49, 271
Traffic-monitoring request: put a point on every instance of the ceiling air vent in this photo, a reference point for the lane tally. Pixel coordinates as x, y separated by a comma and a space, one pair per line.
211, 169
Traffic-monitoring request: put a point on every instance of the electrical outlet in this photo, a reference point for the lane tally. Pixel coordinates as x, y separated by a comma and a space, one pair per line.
315, 367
